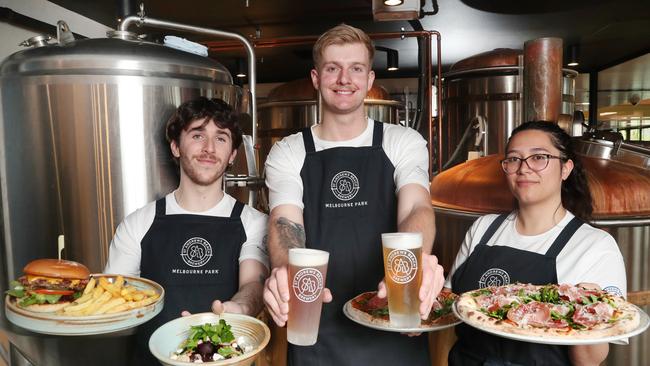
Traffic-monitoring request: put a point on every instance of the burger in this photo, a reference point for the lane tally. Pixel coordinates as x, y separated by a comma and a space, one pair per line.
49, 284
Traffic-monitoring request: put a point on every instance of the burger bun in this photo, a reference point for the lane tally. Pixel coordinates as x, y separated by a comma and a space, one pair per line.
57, 268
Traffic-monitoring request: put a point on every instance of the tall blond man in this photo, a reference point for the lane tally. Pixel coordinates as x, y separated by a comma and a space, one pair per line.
337, 186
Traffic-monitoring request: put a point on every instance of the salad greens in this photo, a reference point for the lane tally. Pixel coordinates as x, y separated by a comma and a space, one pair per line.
16, 289
446, 307
24, 299
217, 333
204, 341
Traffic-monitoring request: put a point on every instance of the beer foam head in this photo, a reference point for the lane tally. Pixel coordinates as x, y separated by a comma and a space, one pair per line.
308, 257
401, 240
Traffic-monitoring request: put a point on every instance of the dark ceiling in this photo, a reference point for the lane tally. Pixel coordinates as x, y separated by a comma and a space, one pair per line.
607, 32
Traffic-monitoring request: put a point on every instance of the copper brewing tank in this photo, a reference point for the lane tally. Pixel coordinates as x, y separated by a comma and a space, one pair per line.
488, 89
294, 105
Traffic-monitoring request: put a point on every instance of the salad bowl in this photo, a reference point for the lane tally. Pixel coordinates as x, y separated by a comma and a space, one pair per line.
169, 337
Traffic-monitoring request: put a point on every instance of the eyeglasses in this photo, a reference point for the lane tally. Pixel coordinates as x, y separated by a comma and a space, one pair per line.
536, 162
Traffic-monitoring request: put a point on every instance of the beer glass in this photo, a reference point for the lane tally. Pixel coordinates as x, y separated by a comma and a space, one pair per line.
307, 270
403, 276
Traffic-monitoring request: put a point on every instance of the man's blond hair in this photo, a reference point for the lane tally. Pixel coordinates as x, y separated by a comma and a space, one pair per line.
340, 35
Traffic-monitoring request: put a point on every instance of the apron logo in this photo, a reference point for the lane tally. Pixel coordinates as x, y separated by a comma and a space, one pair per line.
196, 252
402, 265
345, 185
614, 290
307, 284
494, 277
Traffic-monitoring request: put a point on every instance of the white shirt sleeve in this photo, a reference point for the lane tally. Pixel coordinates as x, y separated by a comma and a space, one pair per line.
594, 258
407, 150
255, 226
125, 251
282, 171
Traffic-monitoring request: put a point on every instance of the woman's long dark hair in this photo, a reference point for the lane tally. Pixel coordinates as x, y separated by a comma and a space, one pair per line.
576, 196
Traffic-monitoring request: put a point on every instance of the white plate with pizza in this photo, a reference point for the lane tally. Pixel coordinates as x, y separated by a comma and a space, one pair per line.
551, 314
371, 311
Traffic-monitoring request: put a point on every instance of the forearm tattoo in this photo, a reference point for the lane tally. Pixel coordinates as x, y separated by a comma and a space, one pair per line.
290, 234
265, 244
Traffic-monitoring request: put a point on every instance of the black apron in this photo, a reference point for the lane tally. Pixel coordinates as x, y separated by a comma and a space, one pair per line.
498, 265
196, 259
349, 198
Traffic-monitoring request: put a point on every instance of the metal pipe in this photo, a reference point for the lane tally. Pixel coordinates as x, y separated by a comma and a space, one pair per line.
514, 69
542, 79
439, 94
165, 24
639, 221
124, 8
305, 40
245, 178
593, 99
622, 222
20, 20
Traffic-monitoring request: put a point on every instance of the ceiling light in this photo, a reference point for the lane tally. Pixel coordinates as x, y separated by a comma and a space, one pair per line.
392, 10
573, 55
607, 113
241, 68
392, 57
392, 60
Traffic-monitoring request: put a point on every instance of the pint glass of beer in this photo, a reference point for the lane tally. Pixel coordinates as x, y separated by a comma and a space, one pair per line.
403, 270
307, 270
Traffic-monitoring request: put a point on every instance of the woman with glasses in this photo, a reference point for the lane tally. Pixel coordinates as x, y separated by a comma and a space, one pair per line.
545, 240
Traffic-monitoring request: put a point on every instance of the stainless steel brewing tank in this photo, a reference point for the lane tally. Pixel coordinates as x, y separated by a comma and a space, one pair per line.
294, 105
81, 146
489, 86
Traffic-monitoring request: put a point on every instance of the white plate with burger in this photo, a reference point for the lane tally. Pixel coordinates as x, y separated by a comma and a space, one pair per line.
60, 297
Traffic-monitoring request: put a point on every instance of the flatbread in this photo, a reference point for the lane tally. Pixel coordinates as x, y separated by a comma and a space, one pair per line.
550, 311
368, 308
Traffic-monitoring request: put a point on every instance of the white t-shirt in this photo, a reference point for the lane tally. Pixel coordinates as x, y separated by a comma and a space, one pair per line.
405, 148
591, 255
125, 251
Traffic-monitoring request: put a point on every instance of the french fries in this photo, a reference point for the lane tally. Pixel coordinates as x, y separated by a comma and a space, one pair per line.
90, 286
103, 297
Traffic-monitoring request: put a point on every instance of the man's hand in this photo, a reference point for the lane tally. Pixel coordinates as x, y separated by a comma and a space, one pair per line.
432, 281
276, 295
219, 307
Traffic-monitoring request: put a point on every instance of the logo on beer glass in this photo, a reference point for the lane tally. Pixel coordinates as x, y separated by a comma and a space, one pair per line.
402, 265
307, 284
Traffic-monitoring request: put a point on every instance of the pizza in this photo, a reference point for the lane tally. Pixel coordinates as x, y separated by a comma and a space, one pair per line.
368, 308
549, 311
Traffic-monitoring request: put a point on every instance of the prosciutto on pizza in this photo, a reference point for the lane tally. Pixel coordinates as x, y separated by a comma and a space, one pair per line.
550, 311
368, 308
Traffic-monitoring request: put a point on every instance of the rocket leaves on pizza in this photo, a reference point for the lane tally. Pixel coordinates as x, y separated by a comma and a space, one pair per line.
367, 308
550, 311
